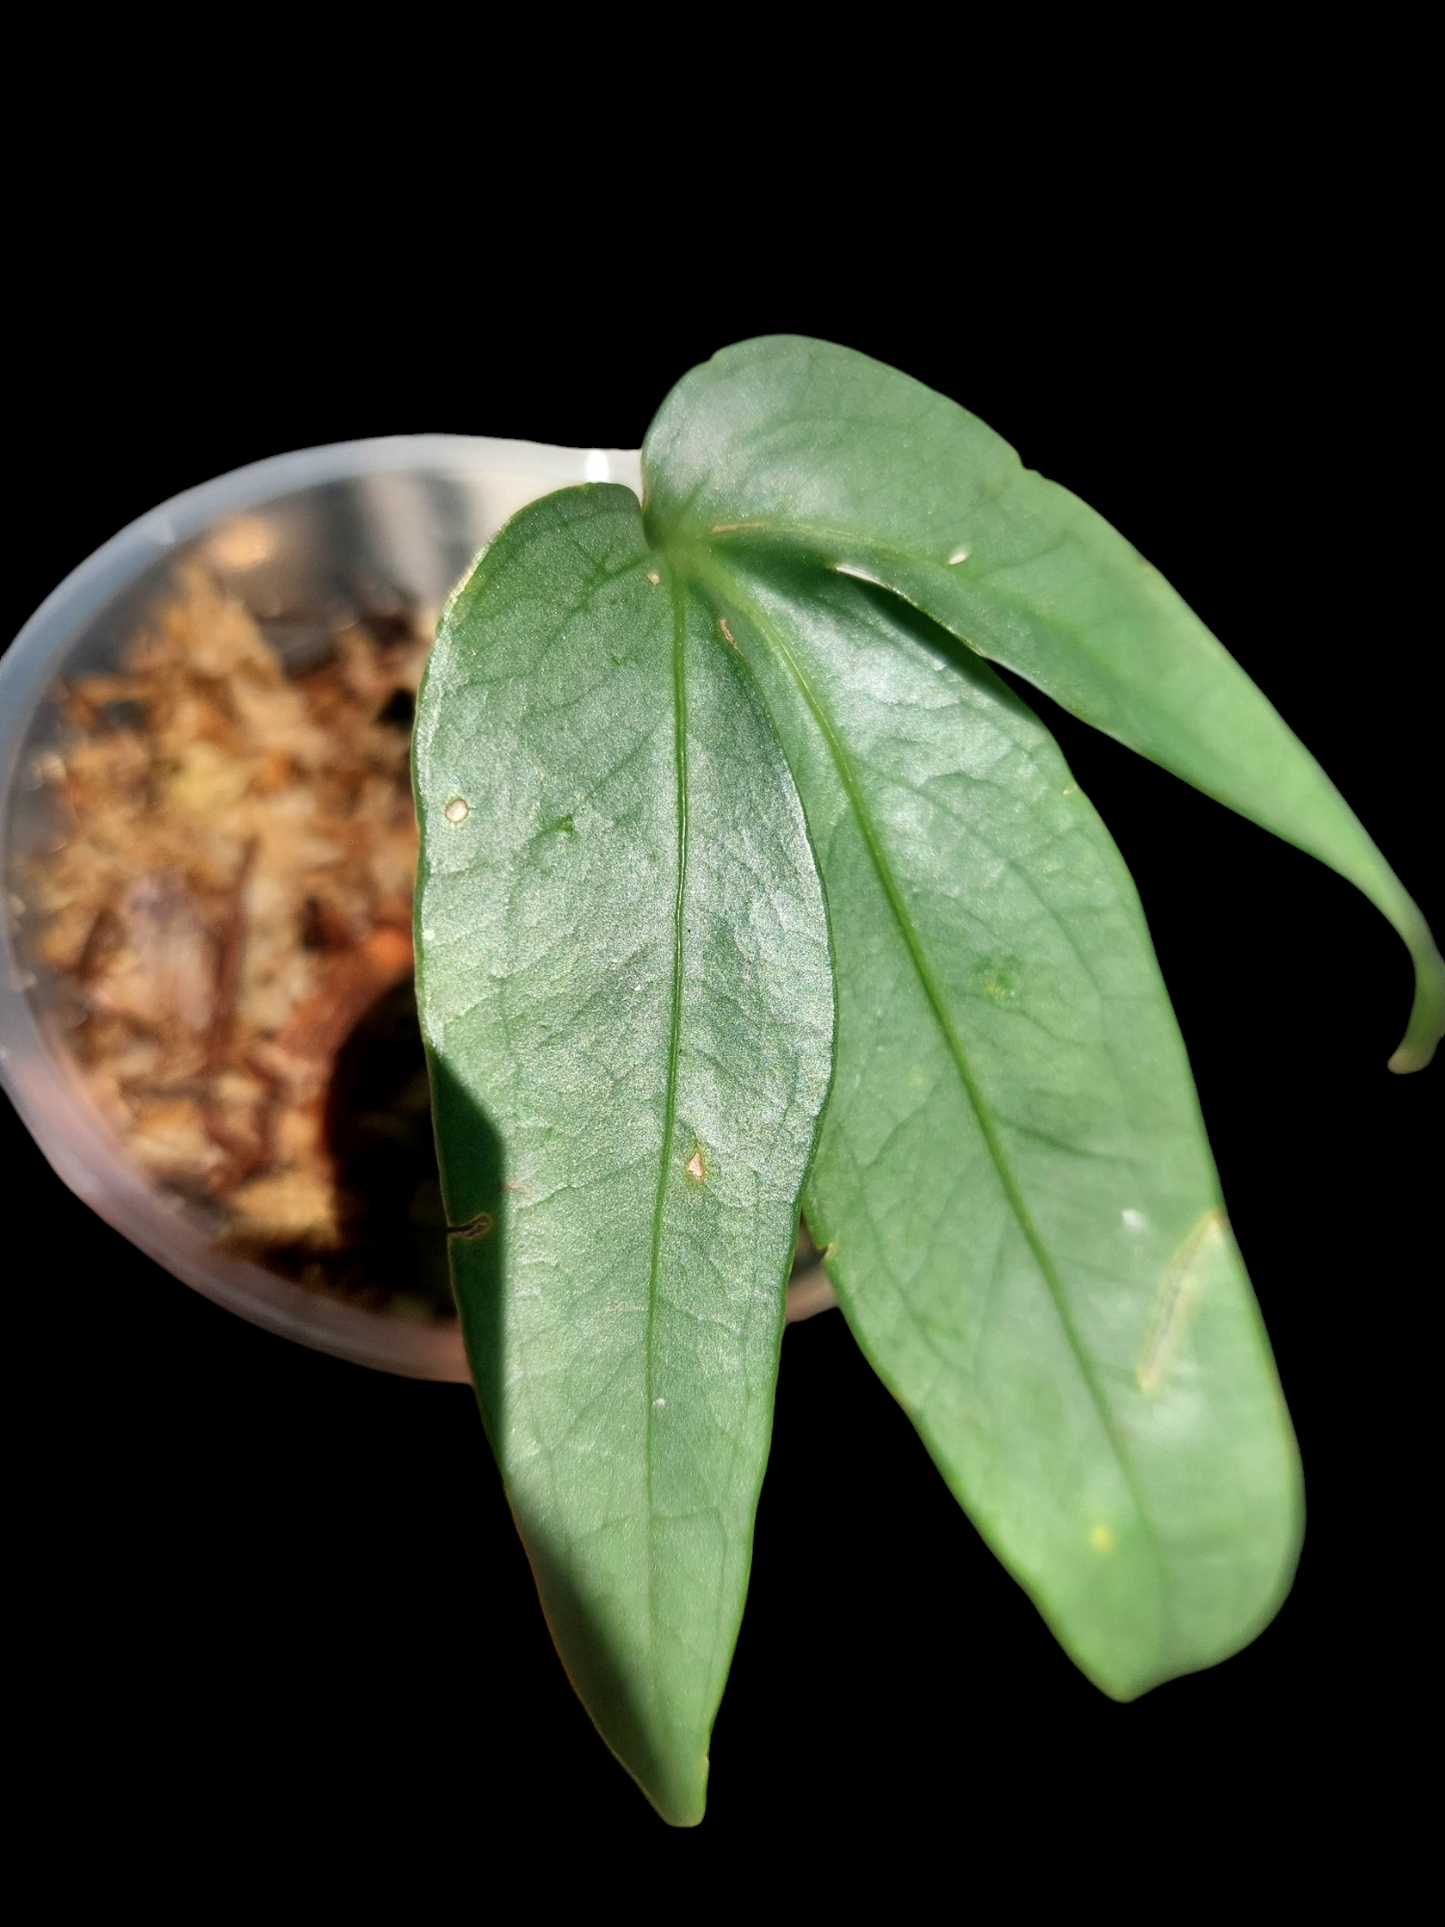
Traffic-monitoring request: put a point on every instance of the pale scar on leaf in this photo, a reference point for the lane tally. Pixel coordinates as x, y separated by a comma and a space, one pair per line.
1176, 1292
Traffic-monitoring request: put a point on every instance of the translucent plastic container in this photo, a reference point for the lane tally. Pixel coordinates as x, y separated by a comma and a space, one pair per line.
405, 512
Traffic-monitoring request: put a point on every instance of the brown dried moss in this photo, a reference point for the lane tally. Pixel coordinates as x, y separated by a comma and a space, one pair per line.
231, 899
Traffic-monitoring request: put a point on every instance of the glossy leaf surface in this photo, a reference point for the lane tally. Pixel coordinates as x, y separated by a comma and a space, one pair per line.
627, 994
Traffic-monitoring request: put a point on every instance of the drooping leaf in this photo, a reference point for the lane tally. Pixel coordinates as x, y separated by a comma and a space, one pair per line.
626, 992
1026, 1229
823, 451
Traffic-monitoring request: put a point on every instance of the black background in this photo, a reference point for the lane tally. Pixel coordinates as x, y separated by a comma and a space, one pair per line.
277, 1598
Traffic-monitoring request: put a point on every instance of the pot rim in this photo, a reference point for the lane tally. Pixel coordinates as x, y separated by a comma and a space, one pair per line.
44, 1086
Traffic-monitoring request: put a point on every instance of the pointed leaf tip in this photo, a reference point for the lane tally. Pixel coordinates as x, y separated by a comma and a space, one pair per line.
1427, 1014
630, 1021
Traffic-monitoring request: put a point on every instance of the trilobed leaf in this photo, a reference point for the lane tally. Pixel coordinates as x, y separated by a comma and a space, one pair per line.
692, 784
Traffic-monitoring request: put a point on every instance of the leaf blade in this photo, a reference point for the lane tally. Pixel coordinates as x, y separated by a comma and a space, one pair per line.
626, 979
839, 457
975, 899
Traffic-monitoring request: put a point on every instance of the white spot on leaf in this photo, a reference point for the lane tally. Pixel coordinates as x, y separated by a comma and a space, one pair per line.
960, 554
458, 810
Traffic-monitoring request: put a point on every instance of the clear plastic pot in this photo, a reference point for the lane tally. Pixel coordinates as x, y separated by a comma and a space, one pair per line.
406, 513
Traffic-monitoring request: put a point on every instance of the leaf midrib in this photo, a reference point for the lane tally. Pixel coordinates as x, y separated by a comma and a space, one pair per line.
726, 583
677, 592
1364, 866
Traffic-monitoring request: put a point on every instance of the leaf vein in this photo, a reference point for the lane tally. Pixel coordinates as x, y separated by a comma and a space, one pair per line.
913, 944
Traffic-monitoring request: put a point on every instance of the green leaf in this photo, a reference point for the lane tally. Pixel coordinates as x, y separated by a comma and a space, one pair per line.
640, 742
1026, 1229
626, 991
822, 451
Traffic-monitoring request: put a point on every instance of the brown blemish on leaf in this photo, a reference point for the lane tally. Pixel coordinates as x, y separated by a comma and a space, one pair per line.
695, 1167
722, 624
478, 1227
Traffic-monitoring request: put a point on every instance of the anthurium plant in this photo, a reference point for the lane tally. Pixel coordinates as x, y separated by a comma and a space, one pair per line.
748, 888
